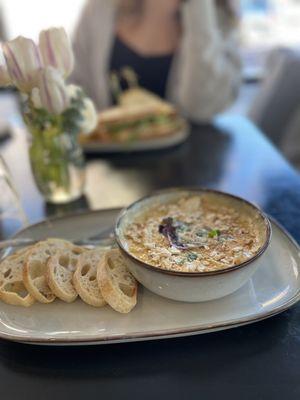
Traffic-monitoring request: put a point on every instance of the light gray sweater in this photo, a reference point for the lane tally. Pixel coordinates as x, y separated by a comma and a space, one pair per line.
205, 73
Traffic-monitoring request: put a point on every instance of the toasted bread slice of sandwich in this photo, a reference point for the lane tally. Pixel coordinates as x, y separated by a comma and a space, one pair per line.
123, 124
35, 267
85, 277
12, 289
59, 273
138, 96
118, 286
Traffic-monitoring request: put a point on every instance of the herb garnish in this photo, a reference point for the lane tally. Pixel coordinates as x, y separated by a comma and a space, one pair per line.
213, 233
191, 257
171, 229
202, 233
168, 229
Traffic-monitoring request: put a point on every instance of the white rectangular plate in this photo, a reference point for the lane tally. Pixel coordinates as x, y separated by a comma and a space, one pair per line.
138, 145
274, 288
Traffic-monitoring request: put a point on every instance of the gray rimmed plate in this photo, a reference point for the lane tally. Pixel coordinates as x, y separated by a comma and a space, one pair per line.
273, 288
139, 145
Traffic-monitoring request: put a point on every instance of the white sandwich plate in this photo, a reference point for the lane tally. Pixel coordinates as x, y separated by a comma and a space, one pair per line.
138, 145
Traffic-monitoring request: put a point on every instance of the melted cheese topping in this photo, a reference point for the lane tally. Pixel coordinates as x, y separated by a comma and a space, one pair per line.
204, 237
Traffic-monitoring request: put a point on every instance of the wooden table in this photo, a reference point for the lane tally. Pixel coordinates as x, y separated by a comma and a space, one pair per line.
259, 361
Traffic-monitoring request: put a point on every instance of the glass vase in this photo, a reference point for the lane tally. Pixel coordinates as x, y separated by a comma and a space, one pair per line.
57, 164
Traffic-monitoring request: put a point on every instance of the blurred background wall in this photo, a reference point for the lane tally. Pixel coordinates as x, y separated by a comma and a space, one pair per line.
28, 17
265, 24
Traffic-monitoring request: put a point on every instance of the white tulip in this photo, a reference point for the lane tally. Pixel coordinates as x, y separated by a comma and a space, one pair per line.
5, 79
89, 116
51, 93
23, 62
36, 98
56, 50
73, 91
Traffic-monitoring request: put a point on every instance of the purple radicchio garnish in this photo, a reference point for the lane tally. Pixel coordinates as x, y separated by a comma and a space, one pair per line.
168, 229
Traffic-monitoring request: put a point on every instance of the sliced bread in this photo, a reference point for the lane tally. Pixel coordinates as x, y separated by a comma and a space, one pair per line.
117, 285
85, 277
12, 289
35, 266
59, 273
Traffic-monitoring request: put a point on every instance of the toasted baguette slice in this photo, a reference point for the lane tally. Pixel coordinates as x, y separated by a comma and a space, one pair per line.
34, 272
12, 289
59, 273
85, 278
118, 286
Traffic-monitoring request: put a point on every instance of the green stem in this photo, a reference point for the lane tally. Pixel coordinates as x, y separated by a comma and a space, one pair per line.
54, 150
49, 160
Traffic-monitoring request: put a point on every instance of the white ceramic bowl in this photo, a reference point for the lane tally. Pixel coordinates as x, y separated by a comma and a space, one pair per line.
192, 286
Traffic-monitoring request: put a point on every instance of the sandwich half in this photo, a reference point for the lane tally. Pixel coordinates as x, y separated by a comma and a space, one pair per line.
140, 115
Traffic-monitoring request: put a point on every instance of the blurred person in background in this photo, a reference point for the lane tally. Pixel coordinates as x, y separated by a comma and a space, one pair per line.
276, 106
3, 35
183, 50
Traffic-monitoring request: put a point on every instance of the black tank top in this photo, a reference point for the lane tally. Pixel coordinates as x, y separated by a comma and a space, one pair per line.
152, 71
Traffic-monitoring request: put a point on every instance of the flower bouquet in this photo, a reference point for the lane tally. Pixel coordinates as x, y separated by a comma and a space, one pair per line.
54, 112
